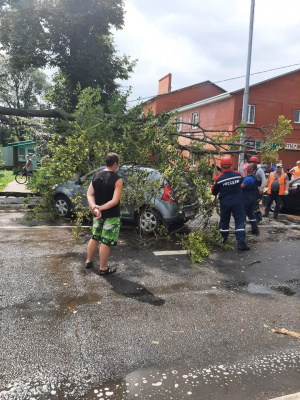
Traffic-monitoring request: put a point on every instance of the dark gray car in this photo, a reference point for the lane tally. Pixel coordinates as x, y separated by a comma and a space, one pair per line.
159, 208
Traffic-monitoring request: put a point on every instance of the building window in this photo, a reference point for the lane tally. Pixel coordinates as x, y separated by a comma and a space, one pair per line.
21, 154
297, 117
194, 120
179, 124
192, 160
251, 114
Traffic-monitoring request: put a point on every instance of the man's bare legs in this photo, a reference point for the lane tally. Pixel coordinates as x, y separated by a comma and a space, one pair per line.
92, 247
104, 252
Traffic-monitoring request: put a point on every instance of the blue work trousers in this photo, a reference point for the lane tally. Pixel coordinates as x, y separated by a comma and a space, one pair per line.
237, 211
250, 200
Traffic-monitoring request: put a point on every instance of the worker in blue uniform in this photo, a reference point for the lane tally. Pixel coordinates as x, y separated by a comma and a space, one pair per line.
250, 190
228, 186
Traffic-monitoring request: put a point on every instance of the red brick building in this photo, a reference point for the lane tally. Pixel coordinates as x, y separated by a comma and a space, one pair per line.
166, 100
223, 111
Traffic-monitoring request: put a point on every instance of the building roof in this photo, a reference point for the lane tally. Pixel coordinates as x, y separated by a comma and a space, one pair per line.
267, 80
226, 95
185, 88
205, 101
23, 143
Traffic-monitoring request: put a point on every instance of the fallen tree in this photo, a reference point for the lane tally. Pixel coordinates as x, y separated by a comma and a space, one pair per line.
52, 113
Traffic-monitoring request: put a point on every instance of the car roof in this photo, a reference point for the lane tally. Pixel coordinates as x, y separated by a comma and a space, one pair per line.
137, 167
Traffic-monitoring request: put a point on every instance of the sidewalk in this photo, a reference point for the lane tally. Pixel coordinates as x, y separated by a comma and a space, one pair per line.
13, 195
15, 189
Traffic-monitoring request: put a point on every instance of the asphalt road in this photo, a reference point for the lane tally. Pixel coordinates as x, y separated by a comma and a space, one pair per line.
161, 328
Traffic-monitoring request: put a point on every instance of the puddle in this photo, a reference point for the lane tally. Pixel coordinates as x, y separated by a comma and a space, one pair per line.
69, 304
267, 290
258, 289
218, 382
259, 377
88, 298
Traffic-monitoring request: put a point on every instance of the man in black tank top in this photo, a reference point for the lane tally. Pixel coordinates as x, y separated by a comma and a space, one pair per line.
103, 196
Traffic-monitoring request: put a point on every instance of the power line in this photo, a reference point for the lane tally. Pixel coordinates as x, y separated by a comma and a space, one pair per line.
224, 80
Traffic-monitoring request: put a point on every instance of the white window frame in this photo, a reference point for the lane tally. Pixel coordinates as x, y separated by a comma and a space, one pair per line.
297, 114
179, 124
195, 120
251, 114
192, 158
21, 154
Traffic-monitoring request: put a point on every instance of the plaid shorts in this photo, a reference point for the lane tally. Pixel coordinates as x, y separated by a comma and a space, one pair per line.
106, 230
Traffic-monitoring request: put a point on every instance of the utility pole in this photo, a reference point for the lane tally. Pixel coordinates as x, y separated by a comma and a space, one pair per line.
246, 92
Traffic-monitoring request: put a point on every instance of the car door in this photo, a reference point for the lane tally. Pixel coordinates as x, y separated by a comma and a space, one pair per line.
292, 201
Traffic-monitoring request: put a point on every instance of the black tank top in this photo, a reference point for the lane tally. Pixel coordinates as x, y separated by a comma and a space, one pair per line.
104, 186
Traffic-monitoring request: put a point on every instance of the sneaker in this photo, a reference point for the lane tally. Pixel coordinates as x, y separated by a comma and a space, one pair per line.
88, 264
265, 215
241, 248
255, 231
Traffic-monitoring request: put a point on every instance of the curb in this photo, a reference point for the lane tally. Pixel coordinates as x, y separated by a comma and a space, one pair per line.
15, 194
15, 207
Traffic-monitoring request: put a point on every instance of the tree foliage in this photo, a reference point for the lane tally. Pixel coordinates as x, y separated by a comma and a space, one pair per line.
20, 90
273, 141
73, 35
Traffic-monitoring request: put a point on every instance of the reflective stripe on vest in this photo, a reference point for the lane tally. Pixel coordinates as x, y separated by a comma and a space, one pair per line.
296, 173
281, 182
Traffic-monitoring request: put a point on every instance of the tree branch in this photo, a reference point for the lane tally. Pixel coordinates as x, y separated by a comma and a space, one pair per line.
54, 113
207, 151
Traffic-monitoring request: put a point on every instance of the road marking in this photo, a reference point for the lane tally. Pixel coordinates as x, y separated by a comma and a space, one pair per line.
295, 396
170, 252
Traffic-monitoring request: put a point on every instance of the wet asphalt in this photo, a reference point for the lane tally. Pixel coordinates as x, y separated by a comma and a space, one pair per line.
161, 328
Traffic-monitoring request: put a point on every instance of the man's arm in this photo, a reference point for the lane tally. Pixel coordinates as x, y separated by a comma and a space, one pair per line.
287, 184
92, 202
267, 182
247, 181
262, 178
26, 165
116, 197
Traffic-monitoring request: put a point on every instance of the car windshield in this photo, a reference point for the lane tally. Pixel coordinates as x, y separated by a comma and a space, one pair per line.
295, 182
88, 177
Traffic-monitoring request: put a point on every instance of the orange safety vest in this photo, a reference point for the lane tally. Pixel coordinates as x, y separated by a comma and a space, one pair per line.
281, 182
296, 173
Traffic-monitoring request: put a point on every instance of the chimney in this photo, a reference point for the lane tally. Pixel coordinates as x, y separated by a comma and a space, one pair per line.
164, 84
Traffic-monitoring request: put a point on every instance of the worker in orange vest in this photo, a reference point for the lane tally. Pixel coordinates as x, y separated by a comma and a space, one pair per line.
296, 171
278, 185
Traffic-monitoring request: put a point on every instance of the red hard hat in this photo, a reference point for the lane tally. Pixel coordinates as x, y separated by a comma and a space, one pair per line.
254, 159
226, 161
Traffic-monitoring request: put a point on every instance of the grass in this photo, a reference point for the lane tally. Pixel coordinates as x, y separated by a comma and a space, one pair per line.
5, 178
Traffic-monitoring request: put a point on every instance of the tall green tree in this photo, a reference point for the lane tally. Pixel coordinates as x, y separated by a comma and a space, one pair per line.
73, 35
22, 90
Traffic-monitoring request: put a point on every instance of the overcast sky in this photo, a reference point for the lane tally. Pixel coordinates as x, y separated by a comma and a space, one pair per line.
199, 40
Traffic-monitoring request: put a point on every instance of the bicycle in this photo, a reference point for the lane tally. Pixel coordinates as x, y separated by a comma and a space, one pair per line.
22, 176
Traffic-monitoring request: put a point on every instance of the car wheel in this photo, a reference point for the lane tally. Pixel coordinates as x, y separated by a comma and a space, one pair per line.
281, 206
149, 220
63, 206
272, 208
